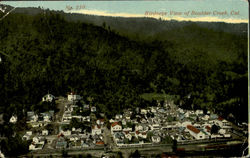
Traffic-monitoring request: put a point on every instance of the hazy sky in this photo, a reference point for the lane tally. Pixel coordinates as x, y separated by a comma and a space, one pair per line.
216, 10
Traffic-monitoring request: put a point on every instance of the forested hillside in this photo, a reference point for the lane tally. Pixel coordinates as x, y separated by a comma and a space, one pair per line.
206, 68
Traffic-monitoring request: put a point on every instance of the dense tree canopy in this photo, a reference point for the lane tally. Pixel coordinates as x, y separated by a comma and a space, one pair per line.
46, 52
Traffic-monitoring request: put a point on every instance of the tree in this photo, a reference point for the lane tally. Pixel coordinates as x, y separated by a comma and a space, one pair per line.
214, 129
174, 146
135, 154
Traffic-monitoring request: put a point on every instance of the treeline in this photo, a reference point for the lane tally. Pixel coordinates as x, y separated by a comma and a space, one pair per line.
46, 52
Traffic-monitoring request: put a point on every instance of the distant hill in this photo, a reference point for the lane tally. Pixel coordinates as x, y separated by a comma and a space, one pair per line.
116, 60
141, 26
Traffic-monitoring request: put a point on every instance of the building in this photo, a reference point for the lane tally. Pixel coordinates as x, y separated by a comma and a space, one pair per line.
45, 132
13, 119
48, 97
196, 133
115, 127
96, 130
156, 139
73, 97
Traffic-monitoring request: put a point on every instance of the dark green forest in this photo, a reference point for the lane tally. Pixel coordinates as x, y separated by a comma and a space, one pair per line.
205, 67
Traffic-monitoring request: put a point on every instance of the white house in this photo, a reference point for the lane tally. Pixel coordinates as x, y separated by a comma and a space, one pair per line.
93, 109
45, 132
124, 122
73, 97
143, 111
118, 116
1, 154
142, 134
34, 118
115, 127
36, 146
27, 135
66, 133
222, 123
96, 130
48, 98
128, 135
46, 118
100, 121
156, 139
13, 119
127, 129
138, 128
196, 133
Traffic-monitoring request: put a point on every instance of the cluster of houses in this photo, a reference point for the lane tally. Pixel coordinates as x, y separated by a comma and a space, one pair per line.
79, 138
155, 125
152, 125
41, 119
70, 109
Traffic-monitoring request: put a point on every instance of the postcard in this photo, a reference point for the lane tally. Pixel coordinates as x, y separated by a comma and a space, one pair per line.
124, 78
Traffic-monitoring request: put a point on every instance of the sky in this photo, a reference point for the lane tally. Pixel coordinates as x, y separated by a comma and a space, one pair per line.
230, 11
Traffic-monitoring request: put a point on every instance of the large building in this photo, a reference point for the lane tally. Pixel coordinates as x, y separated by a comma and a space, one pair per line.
196, 133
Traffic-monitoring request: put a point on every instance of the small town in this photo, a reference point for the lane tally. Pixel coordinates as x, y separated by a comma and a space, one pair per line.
125, 79
79, 126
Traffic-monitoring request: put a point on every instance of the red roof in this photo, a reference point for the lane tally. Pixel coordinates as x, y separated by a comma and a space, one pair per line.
60, 135
144, 133
220, 118
208, 128
100, 143
96, 127
101, 120
137, 132
193, 129
114, 124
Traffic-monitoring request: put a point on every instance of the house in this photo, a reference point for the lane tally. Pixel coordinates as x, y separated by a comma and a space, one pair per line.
205, 118
138, 128
127, 129
143, 111
100, 121
34, 146
196, 133
222, 123
61, 143
66, 133
118, 116
112, 121
27, 135
208, 129
1, 154
93, 109
128, 135
46, 117
73, 97
115, 127
37, 139
48, 97
199, 112
45, 132
141, 134
155, 126
86, 106
96, 130
153, 109
99, 143
37, 144
34, 118
124, 122
13, 119
156, 139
